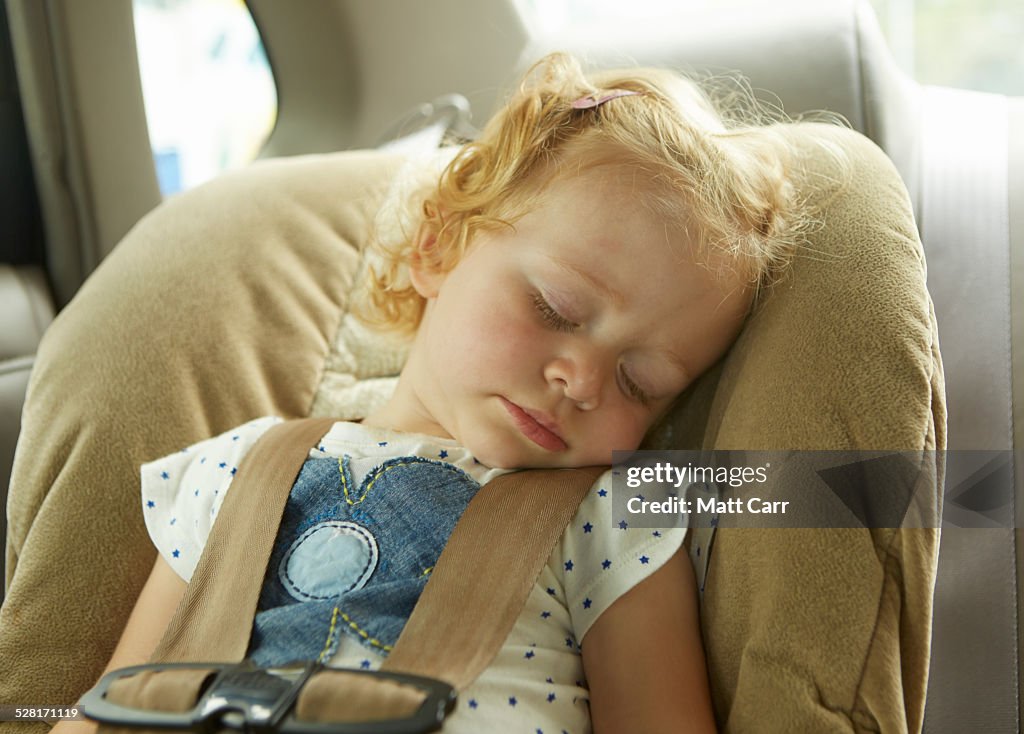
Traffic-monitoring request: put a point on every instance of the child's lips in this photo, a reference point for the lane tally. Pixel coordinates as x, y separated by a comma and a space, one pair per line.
536, 426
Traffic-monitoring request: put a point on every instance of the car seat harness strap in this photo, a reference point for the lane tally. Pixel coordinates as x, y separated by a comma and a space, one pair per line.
474, 595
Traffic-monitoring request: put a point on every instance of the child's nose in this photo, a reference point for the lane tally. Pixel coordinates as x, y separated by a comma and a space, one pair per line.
580, 378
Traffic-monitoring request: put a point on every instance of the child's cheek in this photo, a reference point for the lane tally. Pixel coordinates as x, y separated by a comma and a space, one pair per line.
620, 432
628, 436
509, 329
496, 338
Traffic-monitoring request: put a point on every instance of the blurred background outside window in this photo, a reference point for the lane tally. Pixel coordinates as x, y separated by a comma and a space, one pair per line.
209, 93
967, 44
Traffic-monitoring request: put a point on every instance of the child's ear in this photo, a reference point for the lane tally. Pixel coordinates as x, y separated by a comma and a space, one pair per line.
424, 270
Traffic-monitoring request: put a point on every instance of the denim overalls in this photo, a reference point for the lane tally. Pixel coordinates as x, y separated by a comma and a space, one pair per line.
353, 558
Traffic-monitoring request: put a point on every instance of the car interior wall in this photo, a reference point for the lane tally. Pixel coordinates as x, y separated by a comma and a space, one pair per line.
1015, 163
310, 49
82, 98
342, 83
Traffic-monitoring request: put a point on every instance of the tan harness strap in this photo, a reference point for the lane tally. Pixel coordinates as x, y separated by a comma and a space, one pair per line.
215, 617
213, 622
486, 571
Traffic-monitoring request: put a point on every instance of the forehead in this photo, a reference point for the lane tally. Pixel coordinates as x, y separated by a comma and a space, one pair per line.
595, 224
608, 211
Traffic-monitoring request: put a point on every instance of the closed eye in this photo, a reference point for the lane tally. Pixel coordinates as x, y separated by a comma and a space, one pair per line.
635, 391
551, 317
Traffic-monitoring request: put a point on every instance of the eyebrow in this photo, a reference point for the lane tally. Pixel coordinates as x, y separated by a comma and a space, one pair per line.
596, 283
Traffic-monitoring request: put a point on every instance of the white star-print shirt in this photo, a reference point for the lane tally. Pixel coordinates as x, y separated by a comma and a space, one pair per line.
536, 682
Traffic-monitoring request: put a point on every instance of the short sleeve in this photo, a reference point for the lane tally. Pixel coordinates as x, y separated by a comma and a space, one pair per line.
601, 561
182, 493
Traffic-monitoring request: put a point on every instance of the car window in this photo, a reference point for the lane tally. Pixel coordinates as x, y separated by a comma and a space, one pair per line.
208, 88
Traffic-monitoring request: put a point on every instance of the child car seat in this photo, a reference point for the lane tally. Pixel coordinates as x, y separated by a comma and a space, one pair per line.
228, 302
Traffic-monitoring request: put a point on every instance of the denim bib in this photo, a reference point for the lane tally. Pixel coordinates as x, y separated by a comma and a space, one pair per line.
352, 559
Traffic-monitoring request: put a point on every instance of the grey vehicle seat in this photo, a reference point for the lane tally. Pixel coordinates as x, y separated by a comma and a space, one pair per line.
961, 155
26, 308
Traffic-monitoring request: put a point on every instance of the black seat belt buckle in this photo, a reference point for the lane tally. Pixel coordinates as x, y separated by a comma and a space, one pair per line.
247, 698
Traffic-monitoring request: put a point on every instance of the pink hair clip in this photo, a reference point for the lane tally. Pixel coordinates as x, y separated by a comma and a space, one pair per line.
597, 99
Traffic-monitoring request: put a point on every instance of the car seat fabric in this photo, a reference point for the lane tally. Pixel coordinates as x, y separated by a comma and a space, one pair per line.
828, 629
222, 305
218, 306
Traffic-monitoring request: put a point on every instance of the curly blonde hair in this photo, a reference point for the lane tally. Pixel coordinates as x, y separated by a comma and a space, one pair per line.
723, 183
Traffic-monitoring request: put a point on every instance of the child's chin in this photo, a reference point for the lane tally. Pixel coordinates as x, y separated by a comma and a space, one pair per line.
515, 457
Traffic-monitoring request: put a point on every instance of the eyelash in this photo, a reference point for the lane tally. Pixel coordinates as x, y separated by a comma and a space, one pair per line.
551, 317
558, 322
635, 391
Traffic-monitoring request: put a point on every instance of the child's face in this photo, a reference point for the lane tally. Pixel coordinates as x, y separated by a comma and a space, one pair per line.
558, 342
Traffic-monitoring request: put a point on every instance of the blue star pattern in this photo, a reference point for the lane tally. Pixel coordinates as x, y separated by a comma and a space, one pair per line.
536, 683
190, 485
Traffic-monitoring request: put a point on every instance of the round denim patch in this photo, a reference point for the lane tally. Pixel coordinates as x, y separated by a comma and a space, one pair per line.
328, 560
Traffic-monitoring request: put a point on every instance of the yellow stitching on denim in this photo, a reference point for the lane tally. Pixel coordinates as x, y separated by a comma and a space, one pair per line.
364, 634
426, 571
344, 483
330, 636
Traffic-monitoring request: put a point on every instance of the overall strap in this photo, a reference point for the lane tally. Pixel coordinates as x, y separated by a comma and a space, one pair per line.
466, 611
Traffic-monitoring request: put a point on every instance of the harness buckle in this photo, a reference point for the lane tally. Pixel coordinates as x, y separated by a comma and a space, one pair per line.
246, 698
